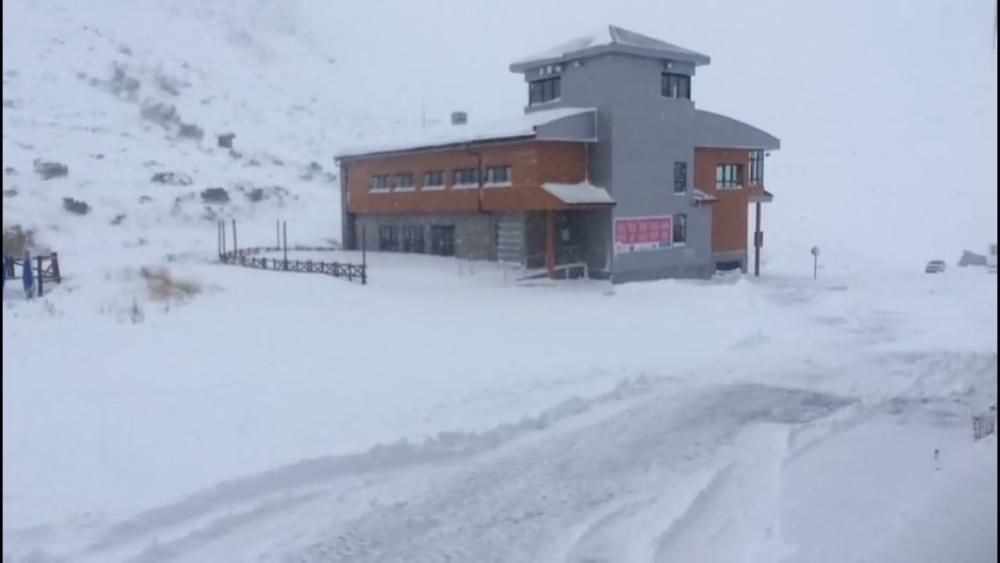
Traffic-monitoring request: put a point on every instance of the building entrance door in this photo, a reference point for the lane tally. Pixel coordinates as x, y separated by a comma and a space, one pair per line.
443, 240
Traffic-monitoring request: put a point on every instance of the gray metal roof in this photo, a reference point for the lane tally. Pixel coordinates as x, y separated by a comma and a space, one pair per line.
611, 39
721, 131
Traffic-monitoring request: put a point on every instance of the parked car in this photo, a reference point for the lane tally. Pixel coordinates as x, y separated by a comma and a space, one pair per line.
935, 267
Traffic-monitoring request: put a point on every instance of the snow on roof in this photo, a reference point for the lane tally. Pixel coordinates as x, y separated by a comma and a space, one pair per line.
701, 196
521, 126
611, 36
579, 194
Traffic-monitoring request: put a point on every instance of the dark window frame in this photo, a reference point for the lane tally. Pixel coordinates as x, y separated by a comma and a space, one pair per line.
491, 175
397, 180
680, 230
675, 86
413, 239
680, 177
381, 182
544, 90
728, 176
388, 238
756, 168
465, 177
431, 175
442, 240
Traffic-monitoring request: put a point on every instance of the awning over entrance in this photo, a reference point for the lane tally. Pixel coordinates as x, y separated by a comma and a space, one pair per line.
579, 194
763, 196
701, 197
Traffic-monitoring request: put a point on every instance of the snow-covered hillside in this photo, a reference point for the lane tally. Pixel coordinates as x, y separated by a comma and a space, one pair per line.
159, 406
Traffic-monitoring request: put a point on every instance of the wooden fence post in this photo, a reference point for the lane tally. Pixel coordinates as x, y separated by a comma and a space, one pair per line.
222, 229
41, 285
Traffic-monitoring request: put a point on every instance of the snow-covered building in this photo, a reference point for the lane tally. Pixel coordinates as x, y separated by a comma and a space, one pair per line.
611, 165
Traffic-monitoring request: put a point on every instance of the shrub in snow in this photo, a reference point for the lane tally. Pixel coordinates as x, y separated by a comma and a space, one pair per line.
191, 131
163, 286
118, 219
169, 84
76, 206
49, 170
16, 240
135, 313
159, 113
970, 258
145, 199
171, 178
256, 194
10, 192
121, 83
215, 195
123, 49
10, 171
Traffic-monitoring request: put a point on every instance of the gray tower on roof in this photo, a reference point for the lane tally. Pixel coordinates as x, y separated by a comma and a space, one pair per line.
642, 89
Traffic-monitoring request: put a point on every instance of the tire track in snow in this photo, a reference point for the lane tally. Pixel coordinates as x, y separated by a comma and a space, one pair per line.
515, 504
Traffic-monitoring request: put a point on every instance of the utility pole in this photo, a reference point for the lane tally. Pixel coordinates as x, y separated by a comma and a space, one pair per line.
758, 241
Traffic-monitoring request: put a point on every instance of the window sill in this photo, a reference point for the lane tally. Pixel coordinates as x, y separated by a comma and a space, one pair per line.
728, 188
379, 191
551, 102
498, 185
432, 189
681, 193
465, 187
404, 190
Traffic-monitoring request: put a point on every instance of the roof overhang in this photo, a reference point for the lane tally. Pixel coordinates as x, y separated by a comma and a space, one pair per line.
702, 198
763, 196
713, 130
583, 194
610, 39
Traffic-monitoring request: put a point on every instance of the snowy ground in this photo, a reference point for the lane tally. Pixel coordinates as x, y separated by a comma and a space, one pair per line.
795, 420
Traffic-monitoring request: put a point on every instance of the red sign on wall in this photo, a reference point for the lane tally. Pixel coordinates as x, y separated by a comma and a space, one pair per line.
636, 234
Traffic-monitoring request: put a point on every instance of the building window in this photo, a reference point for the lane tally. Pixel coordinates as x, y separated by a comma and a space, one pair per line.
465, 177
729, 176
498, 175
434, 179
546, 90
387, 239
675, 86
680, 177
680, 228
403, 181
756, 168
413, 238
380, 182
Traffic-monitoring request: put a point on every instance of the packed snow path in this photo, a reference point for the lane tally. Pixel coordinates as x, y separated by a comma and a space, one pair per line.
653, 472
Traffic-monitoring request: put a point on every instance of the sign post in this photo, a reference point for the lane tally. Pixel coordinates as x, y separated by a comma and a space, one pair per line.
815, 253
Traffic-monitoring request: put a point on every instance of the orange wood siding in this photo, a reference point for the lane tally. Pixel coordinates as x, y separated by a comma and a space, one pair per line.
730, 222
532, 164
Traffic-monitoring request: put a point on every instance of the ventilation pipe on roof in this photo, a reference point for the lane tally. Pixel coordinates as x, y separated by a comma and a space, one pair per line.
459, 118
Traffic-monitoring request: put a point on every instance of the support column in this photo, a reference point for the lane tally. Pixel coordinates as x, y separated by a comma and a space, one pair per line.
550, 242
758, 241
